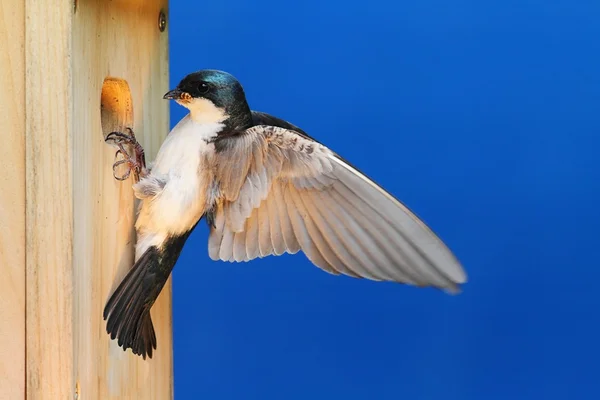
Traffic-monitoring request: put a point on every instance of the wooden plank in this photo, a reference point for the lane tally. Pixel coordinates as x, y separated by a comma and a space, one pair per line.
79, 219
119, 40
12, 200
49, 191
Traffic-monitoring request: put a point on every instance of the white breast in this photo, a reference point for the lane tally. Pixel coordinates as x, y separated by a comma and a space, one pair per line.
183, 147
182, 201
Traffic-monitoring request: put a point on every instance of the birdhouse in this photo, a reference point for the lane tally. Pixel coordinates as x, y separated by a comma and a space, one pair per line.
71, 71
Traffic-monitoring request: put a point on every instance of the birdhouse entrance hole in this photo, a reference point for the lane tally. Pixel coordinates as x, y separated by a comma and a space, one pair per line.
116, 107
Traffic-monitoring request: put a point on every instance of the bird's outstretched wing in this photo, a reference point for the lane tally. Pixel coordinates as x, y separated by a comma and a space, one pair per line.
284, 192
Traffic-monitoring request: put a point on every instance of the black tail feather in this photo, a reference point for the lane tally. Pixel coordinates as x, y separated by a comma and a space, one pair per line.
128, 310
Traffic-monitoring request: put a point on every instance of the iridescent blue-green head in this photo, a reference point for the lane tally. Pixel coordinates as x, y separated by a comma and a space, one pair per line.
213, 96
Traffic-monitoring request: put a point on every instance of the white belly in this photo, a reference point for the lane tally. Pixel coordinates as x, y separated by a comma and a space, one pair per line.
180, 164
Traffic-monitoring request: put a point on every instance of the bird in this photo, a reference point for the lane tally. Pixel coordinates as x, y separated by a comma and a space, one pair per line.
264, 187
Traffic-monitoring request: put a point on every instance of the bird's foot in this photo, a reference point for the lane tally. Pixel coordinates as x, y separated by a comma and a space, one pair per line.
136, 163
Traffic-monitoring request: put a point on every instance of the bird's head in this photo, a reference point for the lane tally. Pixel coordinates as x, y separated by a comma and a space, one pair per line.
212, 96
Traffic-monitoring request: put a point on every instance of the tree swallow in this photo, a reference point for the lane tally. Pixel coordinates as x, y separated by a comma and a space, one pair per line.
265, 187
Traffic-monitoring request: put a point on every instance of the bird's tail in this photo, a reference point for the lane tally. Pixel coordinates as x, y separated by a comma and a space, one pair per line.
128, 310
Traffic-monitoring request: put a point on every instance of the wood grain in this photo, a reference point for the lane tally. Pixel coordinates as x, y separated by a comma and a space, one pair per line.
118, 40
79, 220
12, 200
48, 199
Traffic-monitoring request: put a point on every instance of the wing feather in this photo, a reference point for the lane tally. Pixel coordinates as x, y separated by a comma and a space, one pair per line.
416, 243
373, 239
355, 254
287, 231
216, 235
275, 230
295, 194
322, 242
252, 238
239, 247
305, 233
350, 264
265, 245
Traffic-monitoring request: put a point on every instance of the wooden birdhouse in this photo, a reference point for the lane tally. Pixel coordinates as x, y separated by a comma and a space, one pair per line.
72, 71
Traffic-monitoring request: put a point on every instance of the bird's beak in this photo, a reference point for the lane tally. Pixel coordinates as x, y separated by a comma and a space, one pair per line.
176, 94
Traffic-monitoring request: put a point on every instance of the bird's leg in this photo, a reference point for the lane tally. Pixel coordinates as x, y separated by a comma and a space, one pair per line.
137, 163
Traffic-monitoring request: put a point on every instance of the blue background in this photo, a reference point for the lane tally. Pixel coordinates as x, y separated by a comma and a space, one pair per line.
482, 116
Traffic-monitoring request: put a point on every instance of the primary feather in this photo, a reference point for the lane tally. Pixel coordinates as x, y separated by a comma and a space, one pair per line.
293, 193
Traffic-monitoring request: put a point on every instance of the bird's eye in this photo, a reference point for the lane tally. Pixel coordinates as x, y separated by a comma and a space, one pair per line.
203, 87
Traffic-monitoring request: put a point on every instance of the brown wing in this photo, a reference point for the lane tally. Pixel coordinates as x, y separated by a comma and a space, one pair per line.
285, 193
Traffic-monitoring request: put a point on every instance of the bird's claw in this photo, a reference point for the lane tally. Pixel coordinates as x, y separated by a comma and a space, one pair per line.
126, 160
117, 137
137, 163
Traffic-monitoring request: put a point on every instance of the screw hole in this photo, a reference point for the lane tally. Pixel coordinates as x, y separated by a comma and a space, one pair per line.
162, 21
